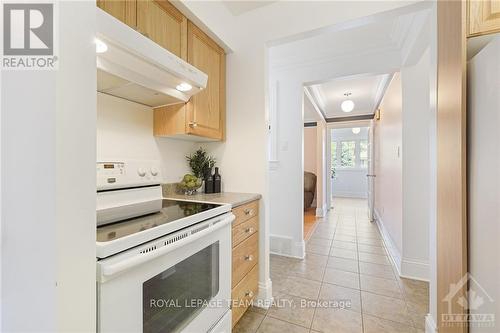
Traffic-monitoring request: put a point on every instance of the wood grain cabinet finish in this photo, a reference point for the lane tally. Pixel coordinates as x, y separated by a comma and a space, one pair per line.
164, 24
206, 110
245, 268
203, 118
123, 10
483, 17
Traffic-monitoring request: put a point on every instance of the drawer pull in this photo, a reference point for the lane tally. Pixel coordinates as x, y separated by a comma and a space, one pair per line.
193, 124
249, 230
249, 257
248, 211
249, 294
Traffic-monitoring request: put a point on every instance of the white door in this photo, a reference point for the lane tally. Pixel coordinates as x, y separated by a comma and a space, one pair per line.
371, 175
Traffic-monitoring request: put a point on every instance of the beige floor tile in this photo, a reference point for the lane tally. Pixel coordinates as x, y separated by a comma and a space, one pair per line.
319, 241
418, 320
300, 287
345, 238
380, 286
347, 298
306, 270
319, 234
370, 241
383, 271
257, 309
317, 249
345, 245
341, 278
316, 259
343, 253
329, 320
371, 249
415, 291
293, 310
273, 325
249, 323
343, 264
385, 307
374, 258
378, 325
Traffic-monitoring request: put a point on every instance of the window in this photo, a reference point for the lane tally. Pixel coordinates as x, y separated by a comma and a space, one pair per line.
347, 154
334, 153
363, 153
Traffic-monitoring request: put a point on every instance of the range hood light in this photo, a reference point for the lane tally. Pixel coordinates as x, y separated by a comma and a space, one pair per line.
100, 46
184, 87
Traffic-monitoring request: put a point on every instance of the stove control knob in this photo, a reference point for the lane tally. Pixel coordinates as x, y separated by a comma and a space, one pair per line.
154, 171
141, 172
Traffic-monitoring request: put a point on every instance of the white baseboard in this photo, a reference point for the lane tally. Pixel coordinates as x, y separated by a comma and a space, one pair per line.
406, 267
430, 324
345, 194
286, 246
321, 211
394, 253
265, 297
415, 269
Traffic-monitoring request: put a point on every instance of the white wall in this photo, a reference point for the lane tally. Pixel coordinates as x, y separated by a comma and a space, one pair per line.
349, 182
403, 151
484, 180
388, 167
416, 168
125, 130
48, 186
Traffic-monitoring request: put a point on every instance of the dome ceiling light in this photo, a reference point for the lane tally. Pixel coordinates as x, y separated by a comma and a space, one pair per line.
347, 105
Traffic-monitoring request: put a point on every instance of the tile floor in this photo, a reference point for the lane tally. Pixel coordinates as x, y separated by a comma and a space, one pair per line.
345, 284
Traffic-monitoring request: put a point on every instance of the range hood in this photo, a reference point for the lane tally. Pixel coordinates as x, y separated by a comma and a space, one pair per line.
133, 67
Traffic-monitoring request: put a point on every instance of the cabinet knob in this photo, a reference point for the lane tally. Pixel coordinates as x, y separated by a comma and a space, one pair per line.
248, 230
248, 211
249, 257
193, 124
249, 294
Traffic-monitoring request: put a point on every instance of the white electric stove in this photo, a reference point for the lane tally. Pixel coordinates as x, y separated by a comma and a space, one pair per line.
163, 265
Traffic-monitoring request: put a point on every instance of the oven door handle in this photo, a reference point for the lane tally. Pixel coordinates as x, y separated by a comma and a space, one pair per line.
109, 270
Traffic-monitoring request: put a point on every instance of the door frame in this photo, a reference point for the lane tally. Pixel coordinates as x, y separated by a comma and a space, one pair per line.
451, 229
336, 125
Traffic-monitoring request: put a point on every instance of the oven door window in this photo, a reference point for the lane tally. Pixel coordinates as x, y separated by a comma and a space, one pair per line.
174, 297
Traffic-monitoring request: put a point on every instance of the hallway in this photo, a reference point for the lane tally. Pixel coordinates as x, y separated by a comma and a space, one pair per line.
345, 284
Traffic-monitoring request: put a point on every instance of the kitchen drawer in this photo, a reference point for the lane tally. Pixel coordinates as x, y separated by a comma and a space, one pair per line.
244, 230
245, 256
246, 212
244, 292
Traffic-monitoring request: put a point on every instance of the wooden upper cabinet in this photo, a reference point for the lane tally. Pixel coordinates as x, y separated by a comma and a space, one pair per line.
483, 17
124, 10
161, 22
206, 110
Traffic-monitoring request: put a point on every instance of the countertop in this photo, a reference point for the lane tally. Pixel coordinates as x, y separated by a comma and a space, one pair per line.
232, 198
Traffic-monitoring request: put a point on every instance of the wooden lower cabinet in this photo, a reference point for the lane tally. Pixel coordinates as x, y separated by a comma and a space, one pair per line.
245, 261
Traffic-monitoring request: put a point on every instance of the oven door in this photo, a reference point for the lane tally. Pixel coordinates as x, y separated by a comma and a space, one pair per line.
178, 283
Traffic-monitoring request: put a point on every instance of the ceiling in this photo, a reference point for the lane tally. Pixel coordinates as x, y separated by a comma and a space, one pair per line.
240, 7
310, 113
366, 92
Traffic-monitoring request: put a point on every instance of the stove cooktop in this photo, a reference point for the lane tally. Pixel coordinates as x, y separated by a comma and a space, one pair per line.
168, 211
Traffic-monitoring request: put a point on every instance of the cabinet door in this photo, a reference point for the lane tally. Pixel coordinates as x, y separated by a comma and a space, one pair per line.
484, 17
164, 24
124, 10
206, 110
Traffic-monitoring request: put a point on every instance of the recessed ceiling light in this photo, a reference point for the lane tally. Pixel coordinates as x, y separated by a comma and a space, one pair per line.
356, 130
347, 105
184, 87
100, 46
